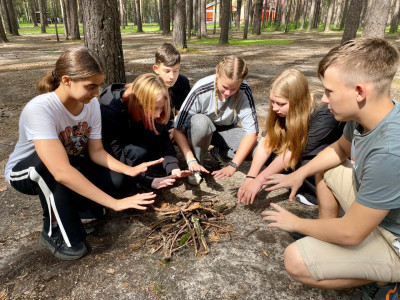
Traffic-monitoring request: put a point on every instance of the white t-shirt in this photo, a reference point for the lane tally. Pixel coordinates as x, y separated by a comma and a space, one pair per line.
45, 117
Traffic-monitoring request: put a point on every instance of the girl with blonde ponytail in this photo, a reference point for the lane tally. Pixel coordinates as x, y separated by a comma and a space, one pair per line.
296, 130
210, 115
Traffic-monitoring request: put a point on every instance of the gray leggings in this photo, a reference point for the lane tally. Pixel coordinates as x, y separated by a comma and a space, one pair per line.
202, 133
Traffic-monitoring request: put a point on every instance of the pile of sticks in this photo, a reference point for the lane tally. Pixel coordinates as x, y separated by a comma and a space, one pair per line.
193, 223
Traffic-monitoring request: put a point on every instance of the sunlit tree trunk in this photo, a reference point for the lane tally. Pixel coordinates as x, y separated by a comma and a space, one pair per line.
179, 32
103, 37
246, 18
329, 16
138, 16
32, 9
304, 15
122, 11
73, 20
3, 36
257, 17
237, 19
189, 17
376, 19
225, 11
43, 19
161, 14
311, 15
203, 22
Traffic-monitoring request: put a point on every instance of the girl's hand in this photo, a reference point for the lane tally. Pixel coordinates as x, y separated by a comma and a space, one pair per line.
196, 167
248, 191
226, 172
280, 218
138, 201
162, 182
136, 170
293, 181
181, 173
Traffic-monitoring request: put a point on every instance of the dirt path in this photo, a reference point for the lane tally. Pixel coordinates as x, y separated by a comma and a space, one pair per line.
234, 269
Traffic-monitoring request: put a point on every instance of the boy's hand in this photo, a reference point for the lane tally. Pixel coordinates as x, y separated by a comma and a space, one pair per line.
249, 190
136, 170
162, 182
138, 202
181, 173
196, 167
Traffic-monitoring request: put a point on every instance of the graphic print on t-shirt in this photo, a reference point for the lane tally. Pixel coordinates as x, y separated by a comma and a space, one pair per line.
75, 138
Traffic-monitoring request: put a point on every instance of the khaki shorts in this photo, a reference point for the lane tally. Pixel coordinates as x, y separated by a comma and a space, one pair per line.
375, 258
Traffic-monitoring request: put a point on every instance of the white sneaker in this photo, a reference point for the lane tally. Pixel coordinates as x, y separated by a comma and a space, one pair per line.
302, 199
195, 178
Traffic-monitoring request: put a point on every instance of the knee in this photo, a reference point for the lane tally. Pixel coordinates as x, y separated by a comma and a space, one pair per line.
135, 153
294, 263
201, 125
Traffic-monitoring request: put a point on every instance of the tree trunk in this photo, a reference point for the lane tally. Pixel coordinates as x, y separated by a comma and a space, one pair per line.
363, 14
284, 11
395, 18
237, 19
32, 9
264, 14
304, 14
251, 13
278, 15
103, 37
65, 18
317, 13
338, 12
189, 17
329, 16
179, 32
53, 7
166, 15
43, 18
257, 17
377, 16
5, 16
352, 20
195, 15
311, 15
271, 2
138, 16
225, 11
161, 14
3, 36
203, 4
287, 15
198, 17
246, 18
73, 20
13, 17
122, 11
345, 13
215, 18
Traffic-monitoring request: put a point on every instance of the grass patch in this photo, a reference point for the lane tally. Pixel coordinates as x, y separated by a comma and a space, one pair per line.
241, 42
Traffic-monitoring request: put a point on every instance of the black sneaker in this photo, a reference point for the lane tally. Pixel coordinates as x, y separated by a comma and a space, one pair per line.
373, 291
56, 244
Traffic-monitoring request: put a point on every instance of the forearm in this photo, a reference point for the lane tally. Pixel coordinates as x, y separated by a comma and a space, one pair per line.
259, 160
104, 159
246, 145
275, 167
183, 144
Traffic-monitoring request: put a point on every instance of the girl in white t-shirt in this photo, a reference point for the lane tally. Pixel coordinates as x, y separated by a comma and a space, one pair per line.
56, 128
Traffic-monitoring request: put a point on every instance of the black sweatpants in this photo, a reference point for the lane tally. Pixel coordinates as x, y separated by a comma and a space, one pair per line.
30, 176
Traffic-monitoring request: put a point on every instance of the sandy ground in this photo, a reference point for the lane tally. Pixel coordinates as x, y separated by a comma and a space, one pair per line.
235, 268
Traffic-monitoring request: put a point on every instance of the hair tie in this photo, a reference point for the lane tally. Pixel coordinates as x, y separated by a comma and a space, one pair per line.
54, 74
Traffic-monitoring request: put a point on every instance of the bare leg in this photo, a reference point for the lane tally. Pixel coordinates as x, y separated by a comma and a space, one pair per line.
297, 269
328, 205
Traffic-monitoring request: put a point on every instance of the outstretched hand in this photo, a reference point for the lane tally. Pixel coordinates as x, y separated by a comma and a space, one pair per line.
226, 172
138, 201
181, 173
136, 170
248, 191
196, 167
278, 181
280, 218
162, 182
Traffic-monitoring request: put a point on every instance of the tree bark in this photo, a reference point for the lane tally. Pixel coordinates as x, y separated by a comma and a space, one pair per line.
179, 32
304, 14
257, 17
225, 11
166, 19
329, 16
103, 37
122, 11
138, 16
5, 16
53, 7
32, 9
377, 16
345, 13
203, 4
352, 20
13, 17
317, 13
237, 19
278, 15
161, 14
73, 20
3, 36
189, 17
215, 18
311, 15
264, 14
246, 18
395, 17
65, 18
287, 15
43, 18
338, 12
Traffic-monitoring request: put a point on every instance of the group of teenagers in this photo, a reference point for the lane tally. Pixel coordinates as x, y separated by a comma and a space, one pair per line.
81, 151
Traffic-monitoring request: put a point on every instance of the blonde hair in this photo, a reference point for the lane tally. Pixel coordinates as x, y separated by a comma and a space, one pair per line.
289, 133
371, 60
234, 68
77, 63
144, 93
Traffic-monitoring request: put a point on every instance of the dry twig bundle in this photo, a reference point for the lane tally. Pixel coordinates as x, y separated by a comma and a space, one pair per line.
192, 223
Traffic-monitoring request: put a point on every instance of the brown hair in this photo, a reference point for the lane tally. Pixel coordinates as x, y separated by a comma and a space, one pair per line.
144, 93
77, 63
289, 133
370, 60
234, 68
168, 55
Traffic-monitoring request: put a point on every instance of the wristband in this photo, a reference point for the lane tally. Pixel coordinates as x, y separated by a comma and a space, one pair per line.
191, 161
232, 164
252, 177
